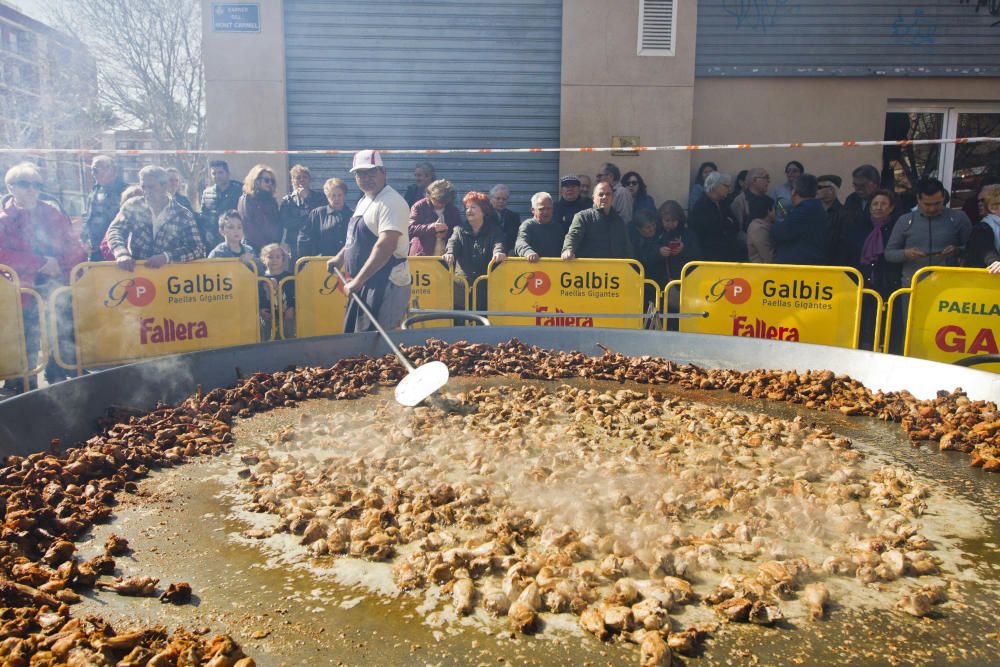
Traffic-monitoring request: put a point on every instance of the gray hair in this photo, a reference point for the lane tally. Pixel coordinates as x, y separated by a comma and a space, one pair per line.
498, 188
22, 171
103, 161
156, 173
717, 178
539, 197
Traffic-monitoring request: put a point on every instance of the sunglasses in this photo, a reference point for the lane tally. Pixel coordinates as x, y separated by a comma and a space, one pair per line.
27, 184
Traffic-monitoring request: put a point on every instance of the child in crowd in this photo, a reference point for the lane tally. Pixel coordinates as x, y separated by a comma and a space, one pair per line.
231, 228
680, 245
277, 264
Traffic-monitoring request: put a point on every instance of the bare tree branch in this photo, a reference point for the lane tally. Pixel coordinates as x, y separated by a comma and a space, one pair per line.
150, 70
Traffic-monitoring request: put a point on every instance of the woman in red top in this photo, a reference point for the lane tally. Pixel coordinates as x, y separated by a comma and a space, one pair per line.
37, 242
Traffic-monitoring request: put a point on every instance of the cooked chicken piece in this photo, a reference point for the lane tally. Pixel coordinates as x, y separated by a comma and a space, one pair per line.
179, 593
624, 592
916, 603
58, 552
649, 614
522, 617
684, 642
617, 618
116, 545
653, 651
765, 614
134, 586
461, 596
592, 620
496, 602
816, 597
680, 589
531, 596
735, 610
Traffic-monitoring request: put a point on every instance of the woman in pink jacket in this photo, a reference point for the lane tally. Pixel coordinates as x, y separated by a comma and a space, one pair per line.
432, 219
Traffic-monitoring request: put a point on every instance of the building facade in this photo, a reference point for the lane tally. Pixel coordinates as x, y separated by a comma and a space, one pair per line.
338, 74
47, 82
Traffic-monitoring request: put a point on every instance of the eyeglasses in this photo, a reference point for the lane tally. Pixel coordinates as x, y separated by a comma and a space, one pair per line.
631, 183
27, 184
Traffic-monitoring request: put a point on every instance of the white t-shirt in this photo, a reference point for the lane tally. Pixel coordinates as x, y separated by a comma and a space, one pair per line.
388, 211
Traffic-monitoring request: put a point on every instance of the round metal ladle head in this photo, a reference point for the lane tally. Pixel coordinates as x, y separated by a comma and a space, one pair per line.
420, 383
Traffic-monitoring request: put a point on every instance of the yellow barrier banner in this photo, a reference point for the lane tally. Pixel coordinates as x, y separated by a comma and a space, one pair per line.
954, 315
432, 288
808, 304
13, 361
319, 301
122, 316
567, 294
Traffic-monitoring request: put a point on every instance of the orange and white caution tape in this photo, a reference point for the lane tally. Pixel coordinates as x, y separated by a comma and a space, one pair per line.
447, 151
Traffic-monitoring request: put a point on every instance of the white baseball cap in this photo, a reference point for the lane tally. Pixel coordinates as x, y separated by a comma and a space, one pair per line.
367, 159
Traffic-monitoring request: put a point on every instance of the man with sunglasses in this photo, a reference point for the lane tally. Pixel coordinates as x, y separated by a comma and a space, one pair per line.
757, 184
102, 204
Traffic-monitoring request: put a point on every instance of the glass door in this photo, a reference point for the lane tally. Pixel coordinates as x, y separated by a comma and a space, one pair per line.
904, 166
963, 168
972, 164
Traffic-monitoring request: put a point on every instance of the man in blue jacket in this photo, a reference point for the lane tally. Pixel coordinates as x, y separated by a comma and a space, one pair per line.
802, 238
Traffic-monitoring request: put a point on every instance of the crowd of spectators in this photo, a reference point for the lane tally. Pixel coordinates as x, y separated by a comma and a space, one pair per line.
802, 220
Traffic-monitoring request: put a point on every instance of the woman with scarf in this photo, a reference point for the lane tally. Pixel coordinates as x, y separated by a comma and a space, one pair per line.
864, 241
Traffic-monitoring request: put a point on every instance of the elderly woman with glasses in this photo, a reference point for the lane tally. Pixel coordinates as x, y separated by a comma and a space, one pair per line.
36, 240
641, 200
259, 208
717, 232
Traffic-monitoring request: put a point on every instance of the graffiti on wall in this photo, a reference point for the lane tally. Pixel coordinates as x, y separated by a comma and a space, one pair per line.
756, 14
992, 7
915, 30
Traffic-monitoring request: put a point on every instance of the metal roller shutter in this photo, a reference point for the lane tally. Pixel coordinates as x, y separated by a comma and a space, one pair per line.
848, 38
435, 74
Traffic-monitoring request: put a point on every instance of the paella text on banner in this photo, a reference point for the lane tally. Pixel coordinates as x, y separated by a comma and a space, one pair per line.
432, 287
13, 361
567, 294
954, 315
319, 299
120, 315
808, 304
